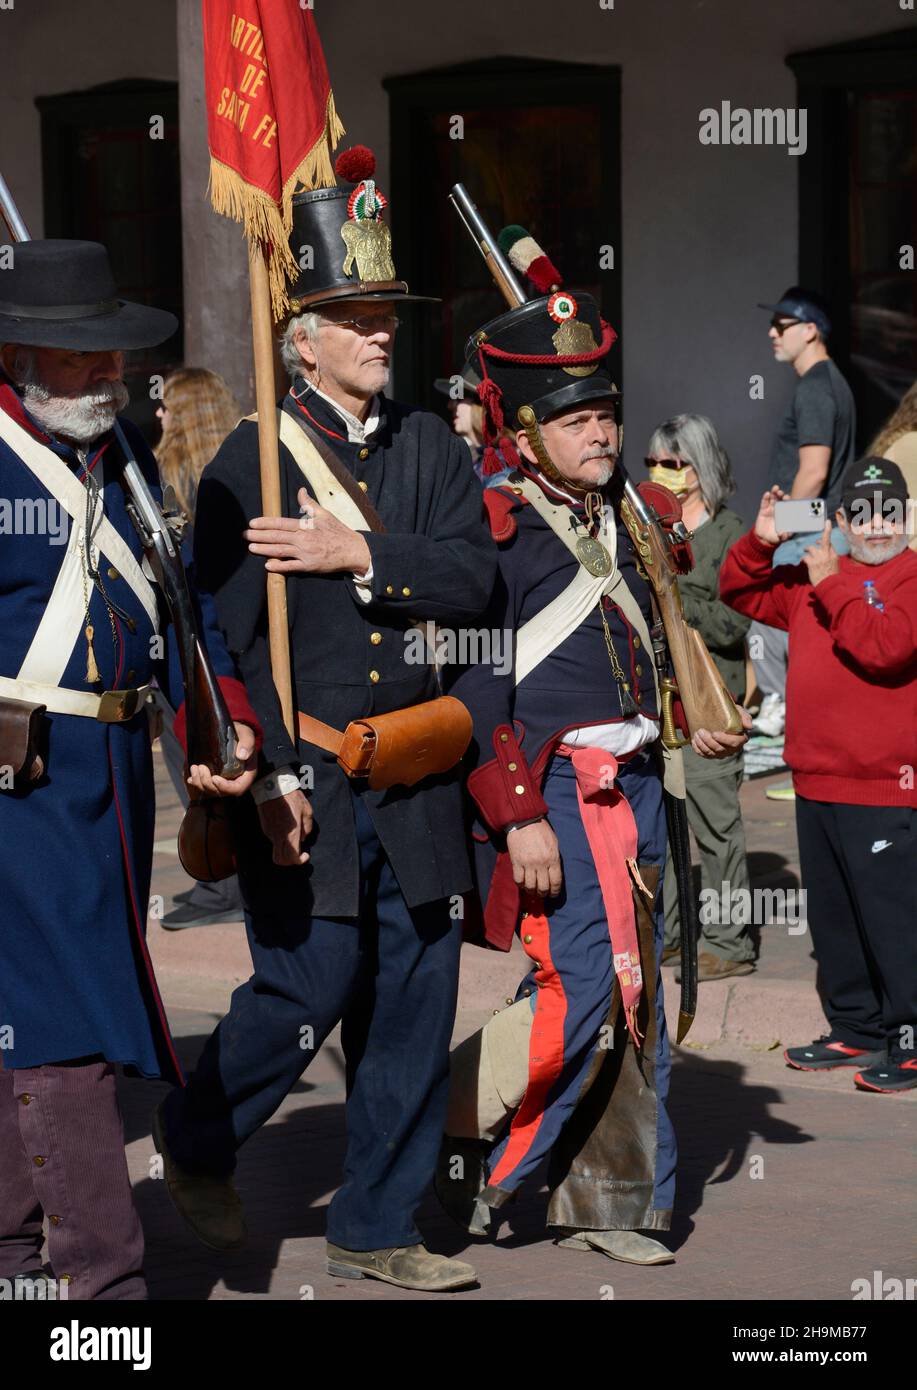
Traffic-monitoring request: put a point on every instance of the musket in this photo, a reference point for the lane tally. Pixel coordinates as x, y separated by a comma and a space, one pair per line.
705, 699
211, 733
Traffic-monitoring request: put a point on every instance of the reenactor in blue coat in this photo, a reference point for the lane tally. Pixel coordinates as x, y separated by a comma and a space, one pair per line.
353, 892
84, 634
567, 788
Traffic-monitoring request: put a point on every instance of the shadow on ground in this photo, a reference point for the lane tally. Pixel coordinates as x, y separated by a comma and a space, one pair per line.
289, 1170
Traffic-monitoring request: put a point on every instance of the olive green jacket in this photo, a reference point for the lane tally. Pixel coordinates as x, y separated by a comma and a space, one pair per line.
722, 628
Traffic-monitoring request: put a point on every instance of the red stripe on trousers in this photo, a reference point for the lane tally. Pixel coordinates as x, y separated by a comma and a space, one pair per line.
546, 1048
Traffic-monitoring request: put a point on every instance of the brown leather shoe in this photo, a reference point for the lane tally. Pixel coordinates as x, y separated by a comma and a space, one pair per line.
629, 1246
711, 967
408, 1266
209, 1205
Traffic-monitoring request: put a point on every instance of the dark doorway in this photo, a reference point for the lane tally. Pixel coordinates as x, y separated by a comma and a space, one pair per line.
534, 143
111, 173
858, 207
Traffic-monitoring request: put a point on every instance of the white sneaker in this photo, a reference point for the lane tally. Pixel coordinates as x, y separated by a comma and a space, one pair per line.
771, 717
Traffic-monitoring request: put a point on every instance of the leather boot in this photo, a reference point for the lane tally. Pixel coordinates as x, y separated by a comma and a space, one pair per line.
209, 1205
408, 1266
629, 1246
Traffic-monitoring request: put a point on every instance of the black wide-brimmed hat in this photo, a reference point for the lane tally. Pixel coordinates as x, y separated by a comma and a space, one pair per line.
62, 294
347, 247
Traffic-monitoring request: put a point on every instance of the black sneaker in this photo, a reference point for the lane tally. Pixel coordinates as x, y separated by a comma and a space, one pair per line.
827, 1052
892, 1074
187, 915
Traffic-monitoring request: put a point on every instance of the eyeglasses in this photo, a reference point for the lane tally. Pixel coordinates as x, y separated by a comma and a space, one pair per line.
781, 325
676, 464
369, 323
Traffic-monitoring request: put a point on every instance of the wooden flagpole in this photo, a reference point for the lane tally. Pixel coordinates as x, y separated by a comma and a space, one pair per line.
269, 453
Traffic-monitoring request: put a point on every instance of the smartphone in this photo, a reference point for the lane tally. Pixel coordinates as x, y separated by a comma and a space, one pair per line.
802, 515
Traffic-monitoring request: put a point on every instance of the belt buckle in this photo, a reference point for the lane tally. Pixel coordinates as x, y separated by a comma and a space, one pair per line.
117, 706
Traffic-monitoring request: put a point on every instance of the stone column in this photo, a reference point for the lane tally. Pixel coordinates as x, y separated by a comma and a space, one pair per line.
218, 331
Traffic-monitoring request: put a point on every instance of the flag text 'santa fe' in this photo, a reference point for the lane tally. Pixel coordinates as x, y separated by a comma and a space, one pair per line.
271, 120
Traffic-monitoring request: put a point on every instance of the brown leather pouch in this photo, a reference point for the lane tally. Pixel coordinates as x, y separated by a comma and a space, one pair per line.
397, 749
20, 726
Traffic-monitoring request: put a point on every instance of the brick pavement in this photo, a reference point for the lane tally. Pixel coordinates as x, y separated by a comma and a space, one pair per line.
790, 1185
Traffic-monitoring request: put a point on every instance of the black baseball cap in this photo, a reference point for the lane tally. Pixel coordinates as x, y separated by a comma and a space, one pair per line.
802, 304
872, 482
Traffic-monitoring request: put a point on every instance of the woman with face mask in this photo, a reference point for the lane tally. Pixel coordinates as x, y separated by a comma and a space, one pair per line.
686, 456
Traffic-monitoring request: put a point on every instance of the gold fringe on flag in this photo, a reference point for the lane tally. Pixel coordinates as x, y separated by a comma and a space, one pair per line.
261, 217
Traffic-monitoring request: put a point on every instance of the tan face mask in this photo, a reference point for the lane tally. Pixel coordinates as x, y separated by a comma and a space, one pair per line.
675, 479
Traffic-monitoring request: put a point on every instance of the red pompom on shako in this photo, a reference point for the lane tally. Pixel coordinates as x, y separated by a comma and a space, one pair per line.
356, 164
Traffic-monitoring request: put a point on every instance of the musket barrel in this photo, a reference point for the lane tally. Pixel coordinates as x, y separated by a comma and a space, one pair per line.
512, 289
11, 215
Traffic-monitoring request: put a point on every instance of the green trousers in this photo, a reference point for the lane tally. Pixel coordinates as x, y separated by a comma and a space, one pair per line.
714, 815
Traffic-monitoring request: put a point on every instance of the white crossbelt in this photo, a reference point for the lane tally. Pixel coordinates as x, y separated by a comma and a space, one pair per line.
65, 613
545, 632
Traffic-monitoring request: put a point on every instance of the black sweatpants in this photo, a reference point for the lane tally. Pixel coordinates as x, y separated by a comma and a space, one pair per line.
859, 872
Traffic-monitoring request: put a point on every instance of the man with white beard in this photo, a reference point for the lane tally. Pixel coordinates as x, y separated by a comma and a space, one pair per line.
851, 741
81, 643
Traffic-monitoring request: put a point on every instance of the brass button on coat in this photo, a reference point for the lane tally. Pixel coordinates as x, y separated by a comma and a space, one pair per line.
113, 573
26, 1099
511, 766
363, 454
406, 591
636, 641
374, 677
375, 638
55, 1220
38, 1161
389, 589
364, 487
527, 940
639, 670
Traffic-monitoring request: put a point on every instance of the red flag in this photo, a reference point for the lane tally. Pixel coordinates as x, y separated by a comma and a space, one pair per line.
271, 121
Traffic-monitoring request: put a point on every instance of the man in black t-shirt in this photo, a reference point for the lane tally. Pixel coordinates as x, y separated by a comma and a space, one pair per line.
814, 444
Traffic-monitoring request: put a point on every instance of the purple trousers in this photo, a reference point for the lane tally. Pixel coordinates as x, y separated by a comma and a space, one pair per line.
62, 1158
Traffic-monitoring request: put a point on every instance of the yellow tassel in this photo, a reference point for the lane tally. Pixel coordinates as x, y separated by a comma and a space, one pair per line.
260, 216
92, 670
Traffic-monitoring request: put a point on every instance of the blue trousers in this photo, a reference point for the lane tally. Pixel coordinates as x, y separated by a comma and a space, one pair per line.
580, 952
391, 979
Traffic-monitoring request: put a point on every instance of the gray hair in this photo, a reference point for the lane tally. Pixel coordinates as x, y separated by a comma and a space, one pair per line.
693, 439
306, 324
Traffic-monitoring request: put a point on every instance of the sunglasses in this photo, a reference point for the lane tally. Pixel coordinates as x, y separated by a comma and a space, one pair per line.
675, 464
781, 325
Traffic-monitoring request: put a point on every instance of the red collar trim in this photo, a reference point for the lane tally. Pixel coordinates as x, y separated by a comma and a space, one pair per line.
317, 423
11, 404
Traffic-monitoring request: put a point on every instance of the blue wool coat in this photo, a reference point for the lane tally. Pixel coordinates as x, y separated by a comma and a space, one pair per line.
76, 847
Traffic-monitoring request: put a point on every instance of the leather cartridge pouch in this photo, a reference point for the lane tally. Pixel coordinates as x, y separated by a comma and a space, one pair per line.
20, 726
397, 749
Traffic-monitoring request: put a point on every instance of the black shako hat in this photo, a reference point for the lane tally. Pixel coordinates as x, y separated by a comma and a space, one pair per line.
549, 354
553, 327
347, 247
62, 294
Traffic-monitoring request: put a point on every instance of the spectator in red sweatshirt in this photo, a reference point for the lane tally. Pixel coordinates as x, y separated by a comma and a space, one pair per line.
851, 742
